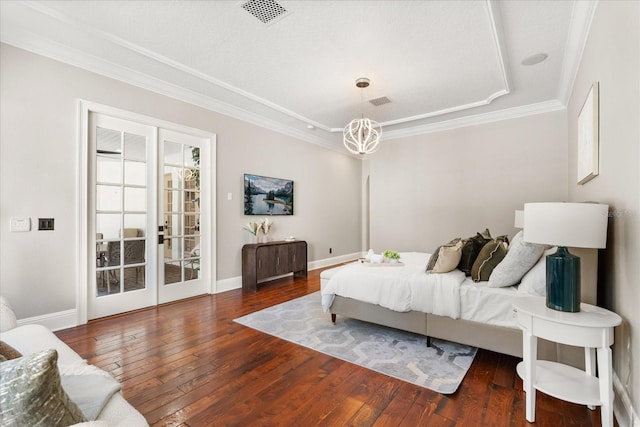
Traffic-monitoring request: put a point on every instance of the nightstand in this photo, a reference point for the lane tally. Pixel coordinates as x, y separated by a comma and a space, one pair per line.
591, 328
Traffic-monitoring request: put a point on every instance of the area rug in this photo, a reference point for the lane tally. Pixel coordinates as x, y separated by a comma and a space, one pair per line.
398, 354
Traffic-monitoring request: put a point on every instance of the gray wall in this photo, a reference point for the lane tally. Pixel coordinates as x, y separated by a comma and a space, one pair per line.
38, 134
429, 189
612, 58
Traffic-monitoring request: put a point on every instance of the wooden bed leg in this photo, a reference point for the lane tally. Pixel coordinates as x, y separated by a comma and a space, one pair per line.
428, 341
333, 318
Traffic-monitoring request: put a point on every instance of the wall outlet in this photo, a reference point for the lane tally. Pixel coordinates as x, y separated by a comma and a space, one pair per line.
45, 224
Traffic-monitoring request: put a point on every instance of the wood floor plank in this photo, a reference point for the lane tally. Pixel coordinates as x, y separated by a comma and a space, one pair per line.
189, 364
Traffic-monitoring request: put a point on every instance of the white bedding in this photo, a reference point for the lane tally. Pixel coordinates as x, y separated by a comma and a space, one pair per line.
399, 288
409, 288
493, 306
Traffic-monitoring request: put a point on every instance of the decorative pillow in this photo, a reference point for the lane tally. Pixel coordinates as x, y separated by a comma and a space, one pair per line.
535, 281
436, 254
31, 393
520, 257
7, 316
8, 352
447, 258
488, 258
471, 249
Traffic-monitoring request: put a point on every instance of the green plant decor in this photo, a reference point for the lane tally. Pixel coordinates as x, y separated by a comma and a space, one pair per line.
391, 255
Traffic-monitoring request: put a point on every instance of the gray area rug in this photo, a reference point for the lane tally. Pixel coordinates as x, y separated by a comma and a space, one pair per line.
399, 354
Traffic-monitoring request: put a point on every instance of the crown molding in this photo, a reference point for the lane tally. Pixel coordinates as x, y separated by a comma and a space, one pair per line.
582, 15
478, 119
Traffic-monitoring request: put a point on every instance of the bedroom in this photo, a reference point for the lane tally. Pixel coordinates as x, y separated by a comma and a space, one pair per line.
519, 159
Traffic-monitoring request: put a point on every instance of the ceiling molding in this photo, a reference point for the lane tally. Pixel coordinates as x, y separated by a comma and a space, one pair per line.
581, 18
478, 119
494, 22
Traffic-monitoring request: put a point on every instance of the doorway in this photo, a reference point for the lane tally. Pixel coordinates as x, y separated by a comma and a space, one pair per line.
149, 217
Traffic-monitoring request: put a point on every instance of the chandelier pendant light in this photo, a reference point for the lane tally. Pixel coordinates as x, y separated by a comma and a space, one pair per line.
362, 136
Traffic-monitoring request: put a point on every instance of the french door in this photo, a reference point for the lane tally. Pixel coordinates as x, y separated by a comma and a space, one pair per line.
149, 234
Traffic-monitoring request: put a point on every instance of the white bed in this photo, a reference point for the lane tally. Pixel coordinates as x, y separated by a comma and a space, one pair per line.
447, 306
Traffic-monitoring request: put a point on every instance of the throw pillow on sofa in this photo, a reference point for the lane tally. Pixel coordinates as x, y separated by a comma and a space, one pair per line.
31, 393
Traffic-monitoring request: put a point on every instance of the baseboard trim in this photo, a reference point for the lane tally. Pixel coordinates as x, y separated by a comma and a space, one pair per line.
314, 265
54, 321
622, 407
232, 283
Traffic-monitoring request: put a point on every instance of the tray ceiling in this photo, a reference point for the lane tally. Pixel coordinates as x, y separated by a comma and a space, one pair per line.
439, 63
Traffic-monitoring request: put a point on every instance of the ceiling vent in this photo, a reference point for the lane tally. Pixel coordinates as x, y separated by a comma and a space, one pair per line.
265, 10
380, 101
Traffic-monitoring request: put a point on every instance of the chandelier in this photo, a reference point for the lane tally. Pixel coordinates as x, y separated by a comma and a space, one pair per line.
362, 136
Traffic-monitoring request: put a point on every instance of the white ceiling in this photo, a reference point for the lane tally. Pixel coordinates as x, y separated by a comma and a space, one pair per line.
442, 64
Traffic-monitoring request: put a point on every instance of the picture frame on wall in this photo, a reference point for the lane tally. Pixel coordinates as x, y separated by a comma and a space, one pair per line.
264, 195
588, 136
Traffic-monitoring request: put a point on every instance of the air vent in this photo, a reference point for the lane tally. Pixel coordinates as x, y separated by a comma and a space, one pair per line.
265, 10
380, 101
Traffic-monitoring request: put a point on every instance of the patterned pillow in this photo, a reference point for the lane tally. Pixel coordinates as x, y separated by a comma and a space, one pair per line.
520, 257
446, 257
31, 393
471, 249
488, 258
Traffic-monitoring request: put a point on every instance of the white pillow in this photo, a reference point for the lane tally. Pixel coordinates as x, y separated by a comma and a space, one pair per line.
7, 316
535, 281
521, 256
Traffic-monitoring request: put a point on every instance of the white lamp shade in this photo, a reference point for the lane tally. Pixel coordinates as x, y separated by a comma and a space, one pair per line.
578, 225
519, 219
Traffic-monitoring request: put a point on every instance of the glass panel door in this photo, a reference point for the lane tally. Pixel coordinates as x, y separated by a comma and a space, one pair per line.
182, 192
124, 183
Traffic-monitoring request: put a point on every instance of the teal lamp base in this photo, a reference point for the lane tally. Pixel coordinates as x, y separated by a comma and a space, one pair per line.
563, 281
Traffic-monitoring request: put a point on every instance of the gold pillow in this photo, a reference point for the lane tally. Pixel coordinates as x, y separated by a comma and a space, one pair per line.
446, 258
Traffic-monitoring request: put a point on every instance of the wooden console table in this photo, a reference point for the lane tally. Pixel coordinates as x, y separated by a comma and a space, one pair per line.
263, 260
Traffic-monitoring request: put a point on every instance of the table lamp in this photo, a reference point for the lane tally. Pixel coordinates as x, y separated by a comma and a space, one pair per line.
579, 225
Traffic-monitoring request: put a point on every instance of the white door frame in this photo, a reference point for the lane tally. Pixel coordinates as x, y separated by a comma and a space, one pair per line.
82, 201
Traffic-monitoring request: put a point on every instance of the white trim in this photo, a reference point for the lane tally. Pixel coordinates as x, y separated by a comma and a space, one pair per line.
82, 207
54, 321
321, 263
232, 283
84, 108
581, 18
478, 119
623, 409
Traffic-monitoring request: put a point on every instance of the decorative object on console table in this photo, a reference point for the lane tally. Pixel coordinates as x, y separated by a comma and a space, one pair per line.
265, 260
580, 225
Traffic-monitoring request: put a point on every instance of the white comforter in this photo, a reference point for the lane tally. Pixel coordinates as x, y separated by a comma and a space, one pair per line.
400, 288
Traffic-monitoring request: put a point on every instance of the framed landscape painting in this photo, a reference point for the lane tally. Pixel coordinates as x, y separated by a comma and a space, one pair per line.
267, 196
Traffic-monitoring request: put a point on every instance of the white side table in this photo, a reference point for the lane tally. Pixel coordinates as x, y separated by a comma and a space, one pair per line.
591, 328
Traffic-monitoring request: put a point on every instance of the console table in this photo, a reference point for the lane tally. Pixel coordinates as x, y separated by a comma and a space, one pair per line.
263, 260
591, 328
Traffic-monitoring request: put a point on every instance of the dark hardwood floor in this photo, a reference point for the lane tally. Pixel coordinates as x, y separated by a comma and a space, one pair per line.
189, 364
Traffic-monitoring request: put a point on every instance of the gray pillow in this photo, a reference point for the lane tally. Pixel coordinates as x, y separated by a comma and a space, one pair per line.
31, 393
520, 258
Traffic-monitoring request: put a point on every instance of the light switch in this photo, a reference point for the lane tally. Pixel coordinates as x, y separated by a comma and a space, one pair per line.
20, 224
229, 196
